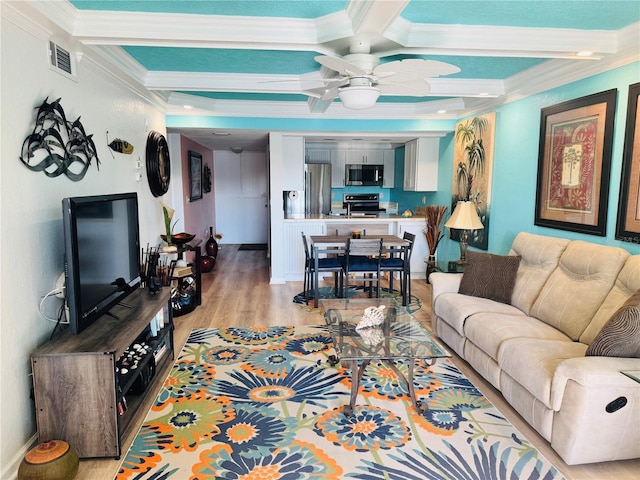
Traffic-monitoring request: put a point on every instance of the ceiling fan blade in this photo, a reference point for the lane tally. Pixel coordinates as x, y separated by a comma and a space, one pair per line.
340, 65
415, 88
411, 69
322, 93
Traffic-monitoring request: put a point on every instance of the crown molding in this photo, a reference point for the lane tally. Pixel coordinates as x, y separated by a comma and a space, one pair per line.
243, 108
99, 59
368, 17
188, 30
508, 41
333, 27
555, 73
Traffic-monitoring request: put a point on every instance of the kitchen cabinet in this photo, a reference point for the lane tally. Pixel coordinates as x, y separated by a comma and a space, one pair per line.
421, 165
317, 155
374, 156
293, 163
389, 162
337, 168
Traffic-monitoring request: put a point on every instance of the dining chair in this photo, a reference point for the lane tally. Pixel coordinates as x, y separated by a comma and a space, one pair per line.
325, 264
400, 261
362, 258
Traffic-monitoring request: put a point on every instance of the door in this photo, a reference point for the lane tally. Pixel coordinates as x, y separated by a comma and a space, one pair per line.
242, 214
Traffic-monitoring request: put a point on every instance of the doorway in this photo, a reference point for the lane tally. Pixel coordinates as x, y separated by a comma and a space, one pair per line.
241, 196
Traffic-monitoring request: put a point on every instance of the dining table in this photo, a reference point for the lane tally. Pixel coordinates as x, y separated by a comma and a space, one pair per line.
337, 244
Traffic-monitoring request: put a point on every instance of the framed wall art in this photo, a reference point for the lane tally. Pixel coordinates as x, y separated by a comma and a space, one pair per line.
628, 225
574, 164
472, 171
195, 176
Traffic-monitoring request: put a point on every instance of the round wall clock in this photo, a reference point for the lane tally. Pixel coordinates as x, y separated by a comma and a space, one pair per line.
158, 164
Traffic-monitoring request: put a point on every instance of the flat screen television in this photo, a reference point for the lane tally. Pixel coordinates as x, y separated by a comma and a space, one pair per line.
102, 251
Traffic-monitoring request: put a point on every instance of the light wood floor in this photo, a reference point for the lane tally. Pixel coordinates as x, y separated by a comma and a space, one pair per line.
237, 292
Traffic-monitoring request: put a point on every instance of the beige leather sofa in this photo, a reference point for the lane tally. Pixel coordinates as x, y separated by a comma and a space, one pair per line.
533, 350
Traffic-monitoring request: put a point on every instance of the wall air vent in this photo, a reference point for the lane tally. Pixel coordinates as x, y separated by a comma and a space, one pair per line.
61, 61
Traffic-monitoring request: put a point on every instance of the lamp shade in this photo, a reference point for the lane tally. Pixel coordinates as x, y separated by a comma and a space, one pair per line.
358, 97
464, 217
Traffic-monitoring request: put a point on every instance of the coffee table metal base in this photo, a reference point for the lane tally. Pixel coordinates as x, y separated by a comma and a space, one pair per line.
358, 367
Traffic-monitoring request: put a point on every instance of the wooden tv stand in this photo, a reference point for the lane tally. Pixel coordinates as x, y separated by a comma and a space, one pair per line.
79, 397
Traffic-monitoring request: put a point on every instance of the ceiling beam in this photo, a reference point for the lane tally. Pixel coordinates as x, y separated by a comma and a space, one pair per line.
374, 17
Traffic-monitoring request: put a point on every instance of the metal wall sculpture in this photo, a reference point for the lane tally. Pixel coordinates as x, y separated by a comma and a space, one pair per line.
57, 146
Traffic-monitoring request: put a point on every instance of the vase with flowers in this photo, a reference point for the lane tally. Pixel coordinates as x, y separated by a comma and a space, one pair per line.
434, 215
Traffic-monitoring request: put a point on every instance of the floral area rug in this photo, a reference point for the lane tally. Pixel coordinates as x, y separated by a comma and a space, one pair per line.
264, 403
413, 303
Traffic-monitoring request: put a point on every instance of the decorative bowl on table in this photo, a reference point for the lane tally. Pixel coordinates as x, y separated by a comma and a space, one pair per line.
179, 238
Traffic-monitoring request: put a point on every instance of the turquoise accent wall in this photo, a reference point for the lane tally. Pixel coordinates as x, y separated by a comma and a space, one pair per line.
515, 162
515, 168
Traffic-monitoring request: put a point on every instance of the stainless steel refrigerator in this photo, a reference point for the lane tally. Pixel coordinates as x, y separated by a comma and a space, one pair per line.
317, 188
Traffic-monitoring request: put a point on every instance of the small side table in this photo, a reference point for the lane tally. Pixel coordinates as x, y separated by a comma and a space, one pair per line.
444, 266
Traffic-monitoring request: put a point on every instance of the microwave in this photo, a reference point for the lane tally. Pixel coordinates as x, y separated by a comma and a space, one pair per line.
364, 174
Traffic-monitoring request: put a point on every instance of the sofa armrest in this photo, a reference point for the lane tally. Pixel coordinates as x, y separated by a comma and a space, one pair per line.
597, 417
444, 283
592, 372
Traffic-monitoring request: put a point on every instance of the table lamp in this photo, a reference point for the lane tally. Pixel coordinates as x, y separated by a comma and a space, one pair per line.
465, 218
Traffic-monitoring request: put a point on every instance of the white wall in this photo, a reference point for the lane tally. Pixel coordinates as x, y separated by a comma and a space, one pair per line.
31, 237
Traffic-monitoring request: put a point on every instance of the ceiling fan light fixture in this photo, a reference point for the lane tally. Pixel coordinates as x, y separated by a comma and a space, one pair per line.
358, 97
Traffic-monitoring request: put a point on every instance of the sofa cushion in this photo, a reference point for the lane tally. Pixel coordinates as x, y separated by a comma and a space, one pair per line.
627, 283
533, 362
455, 308
539, 258
488, 330
578, 286
490, 276
620, 337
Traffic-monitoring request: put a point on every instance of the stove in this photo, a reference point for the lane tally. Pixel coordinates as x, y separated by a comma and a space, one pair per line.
362, 204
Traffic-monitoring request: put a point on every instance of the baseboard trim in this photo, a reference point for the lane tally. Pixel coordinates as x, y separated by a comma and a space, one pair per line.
10, 472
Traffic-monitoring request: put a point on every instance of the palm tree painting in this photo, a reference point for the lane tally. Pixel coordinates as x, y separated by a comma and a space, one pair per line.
473, 159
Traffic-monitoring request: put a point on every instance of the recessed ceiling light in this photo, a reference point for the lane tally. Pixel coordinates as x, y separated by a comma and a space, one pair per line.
483, 94
584, 53
442, 111
188, 106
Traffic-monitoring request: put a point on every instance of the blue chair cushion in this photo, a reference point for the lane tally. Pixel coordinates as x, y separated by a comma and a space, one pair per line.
393, 262
360, 264
330, 262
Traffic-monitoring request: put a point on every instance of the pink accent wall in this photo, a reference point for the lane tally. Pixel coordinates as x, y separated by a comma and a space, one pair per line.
199, 215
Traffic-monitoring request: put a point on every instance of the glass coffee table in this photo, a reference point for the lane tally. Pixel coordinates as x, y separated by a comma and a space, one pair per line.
400, 337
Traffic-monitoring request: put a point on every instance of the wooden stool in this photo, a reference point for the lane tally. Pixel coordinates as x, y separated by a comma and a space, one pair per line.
51, 460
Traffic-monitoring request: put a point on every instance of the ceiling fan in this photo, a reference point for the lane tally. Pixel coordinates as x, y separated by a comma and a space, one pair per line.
362, 79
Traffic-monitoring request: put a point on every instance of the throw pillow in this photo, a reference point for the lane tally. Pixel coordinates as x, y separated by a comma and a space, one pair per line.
620, 336
490, 276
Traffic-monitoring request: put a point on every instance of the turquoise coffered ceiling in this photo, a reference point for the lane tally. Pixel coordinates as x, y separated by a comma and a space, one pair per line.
254, 56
